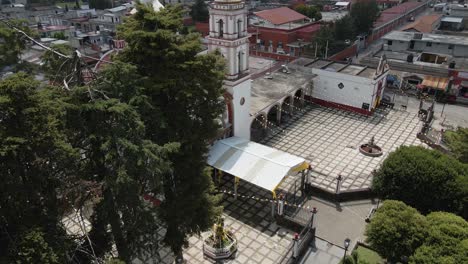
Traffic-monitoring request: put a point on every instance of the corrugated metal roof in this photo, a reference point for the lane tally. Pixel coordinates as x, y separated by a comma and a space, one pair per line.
452, 19
252, 162
279, 16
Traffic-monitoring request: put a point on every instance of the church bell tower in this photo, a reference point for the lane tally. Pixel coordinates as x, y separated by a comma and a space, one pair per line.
228, 34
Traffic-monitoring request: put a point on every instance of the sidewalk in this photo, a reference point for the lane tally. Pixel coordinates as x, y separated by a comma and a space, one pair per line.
322, 252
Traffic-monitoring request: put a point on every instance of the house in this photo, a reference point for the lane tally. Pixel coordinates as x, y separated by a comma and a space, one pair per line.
452, 23
456, 46
282, 31
424, 24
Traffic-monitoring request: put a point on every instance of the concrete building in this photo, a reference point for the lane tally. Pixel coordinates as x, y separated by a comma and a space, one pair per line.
452, 23
455, 46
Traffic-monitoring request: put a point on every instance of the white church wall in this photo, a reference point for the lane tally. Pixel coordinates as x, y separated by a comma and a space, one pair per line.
356, 90
241, 107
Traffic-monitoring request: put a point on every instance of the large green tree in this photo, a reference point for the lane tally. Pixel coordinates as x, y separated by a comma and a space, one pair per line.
396, 230
35, 163
458, 143
309, 11
425, 179
117, 157
344, 28
199, 11
364, 13
446, 241
180, 103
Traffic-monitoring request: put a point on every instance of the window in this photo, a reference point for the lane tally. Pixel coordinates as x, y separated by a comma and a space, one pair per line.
221, 25
280, 45
389, 42
428, 44
450, 46
271, 43
239, 28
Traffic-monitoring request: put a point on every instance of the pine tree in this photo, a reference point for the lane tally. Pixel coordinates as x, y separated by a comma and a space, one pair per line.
36, 162
117, 157
181, 103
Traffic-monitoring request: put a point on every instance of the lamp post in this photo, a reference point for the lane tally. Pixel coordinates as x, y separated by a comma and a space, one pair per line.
347, 241
314, 212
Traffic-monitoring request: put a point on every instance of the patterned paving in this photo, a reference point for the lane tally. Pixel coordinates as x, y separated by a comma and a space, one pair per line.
260, 240
329, 140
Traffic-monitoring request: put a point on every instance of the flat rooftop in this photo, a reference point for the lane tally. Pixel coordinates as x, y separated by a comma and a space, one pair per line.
266, 92
341, 67
401, 56
435, 38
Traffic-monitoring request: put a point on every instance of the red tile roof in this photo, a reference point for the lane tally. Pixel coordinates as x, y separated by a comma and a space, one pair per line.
279, 16
424, 24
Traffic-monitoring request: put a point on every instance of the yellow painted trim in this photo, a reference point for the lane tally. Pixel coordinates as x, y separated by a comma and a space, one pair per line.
274, 194
236, 180
301, 167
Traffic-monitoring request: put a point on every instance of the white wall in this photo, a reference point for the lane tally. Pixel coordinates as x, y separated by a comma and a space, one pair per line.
397, 45
241, 117
356, 91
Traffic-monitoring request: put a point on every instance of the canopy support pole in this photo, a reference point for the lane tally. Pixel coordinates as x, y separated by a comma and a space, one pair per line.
236, 182
273, 204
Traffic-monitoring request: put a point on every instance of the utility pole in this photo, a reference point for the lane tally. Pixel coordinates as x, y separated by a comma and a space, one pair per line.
316, 49
326, 50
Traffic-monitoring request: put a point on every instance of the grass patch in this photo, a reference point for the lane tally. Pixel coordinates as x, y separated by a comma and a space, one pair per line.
369, 256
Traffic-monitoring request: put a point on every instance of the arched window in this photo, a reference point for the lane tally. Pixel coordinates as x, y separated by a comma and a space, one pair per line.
221, 25
239, 28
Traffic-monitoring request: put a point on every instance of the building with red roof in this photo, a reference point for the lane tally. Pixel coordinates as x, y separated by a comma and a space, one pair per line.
281, 31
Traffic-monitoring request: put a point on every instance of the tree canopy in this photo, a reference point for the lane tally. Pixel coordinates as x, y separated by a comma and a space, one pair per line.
100, 4
181, 103
344, 29
36, 162
398, 232
458, 143
423, 178
143, 128
364, 13
199, 11
309, 11
12, 42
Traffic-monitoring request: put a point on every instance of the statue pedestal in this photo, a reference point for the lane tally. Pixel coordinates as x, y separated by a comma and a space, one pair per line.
217, 252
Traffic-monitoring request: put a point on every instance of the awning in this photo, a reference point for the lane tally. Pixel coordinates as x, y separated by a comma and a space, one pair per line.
342, 3
255, 163
438, 83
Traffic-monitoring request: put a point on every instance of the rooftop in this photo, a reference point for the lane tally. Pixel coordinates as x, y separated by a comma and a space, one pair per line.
266, 92
424, 24
341, 67
117, 9
279, 16
435, 38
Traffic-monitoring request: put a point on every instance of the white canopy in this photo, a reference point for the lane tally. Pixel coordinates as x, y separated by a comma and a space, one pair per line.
252, 162
342, 3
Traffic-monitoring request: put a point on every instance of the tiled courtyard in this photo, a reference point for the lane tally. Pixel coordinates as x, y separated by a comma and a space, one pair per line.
260, 239
329, 139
